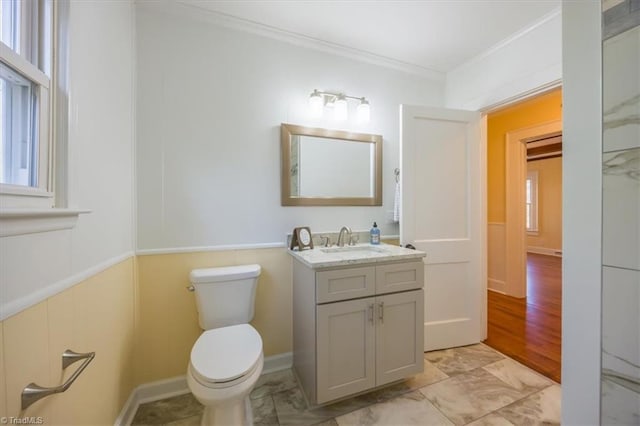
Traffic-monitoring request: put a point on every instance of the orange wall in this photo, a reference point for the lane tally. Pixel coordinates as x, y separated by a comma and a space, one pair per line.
544, 108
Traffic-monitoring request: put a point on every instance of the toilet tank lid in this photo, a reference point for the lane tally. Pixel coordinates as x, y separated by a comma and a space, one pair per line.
226, 273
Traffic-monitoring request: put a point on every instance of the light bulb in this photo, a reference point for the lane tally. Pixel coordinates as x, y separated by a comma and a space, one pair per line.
330, 101
316, 104
340, 109
363, 111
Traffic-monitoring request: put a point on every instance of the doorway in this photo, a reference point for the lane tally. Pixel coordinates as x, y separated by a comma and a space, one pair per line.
524, 232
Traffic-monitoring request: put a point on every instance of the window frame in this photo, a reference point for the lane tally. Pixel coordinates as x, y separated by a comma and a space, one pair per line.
532, 176
28, 210
34, 26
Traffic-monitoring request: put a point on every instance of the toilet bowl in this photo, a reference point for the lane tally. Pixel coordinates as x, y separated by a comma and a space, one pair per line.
224, 367
227, 359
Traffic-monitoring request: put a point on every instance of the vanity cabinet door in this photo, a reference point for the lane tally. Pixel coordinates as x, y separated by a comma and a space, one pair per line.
399, 336
345, 348
399, 277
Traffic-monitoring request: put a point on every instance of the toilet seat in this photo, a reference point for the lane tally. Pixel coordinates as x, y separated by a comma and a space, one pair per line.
225, 356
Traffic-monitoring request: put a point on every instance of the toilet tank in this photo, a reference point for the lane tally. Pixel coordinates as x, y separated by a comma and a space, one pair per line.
225, 296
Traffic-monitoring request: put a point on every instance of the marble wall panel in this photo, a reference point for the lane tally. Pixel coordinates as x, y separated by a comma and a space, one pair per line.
621, 324
621, 91
620, 398
621, 209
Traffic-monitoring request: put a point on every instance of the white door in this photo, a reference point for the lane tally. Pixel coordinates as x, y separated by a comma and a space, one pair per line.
443, 211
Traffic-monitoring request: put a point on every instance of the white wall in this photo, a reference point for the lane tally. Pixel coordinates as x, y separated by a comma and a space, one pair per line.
582, 212
33, 267
210, 103
527, 61
101, 131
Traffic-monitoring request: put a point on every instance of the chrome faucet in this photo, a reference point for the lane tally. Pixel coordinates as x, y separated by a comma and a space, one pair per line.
340, 242
325, 241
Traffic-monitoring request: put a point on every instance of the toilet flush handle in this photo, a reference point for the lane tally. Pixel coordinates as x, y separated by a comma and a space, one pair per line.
190, 288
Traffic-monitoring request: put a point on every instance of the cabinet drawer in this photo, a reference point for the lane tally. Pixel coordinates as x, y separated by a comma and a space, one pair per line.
399, 277
345, 284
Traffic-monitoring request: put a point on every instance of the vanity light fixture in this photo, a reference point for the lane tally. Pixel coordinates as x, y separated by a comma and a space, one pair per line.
363, 111
340, 111
319, 100
316, 104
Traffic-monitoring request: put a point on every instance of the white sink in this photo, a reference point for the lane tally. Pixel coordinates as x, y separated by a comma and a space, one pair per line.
354, 249
324, 257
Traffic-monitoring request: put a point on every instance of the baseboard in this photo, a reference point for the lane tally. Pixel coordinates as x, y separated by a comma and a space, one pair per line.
128, 410
149, 392
175, 386
497, 286
278, 362
545, 251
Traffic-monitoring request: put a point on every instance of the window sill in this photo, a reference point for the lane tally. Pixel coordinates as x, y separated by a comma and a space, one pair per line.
34, 220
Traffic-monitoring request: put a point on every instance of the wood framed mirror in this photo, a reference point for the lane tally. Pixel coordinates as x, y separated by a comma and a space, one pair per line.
322, 167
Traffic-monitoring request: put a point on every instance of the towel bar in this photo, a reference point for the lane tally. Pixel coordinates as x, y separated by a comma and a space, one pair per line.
33, 392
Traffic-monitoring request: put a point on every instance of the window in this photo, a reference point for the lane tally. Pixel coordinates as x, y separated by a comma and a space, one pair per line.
25, 109
531, 201
33, 80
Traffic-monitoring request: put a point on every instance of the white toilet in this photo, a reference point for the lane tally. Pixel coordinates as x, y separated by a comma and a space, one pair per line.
226, 360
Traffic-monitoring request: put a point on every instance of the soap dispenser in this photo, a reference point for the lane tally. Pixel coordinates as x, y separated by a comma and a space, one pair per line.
375, 234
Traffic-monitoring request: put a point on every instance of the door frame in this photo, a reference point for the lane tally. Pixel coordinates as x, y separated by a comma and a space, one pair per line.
516, 175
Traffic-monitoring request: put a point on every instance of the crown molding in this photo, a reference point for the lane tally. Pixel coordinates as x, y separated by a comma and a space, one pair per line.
194, 11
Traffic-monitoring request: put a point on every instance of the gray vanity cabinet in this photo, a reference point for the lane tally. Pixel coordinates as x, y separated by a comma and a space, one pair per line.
399, 336
356, 328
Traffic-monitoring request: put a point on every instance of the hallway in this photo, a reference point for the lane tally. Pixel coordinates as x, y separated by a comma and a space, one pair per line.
529, 330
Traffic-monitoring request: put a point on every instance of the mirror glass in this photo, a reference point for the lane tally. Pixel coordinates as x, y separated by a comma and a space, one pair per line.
330, 167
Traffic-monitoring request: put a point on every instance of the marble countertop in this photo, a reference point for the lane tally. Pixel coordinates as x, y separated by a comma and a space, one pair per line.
324, 257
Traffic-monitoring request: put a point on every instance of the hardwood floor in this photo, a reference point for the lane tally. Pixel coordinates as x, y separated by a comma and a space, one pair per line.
529, 330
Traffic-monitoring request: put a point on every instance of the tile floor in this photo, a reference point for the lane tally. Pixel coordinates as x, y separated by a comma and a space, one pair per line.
472, 385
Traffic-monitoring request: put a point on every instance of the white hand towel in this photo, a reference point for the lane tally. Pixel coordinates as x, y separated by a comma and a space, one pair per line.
396, 204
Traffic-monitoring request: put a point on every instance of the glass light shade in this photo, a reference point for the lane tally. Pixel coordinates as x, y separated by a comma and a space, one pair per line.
340, 109
363, 112
316, 104
330, 101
